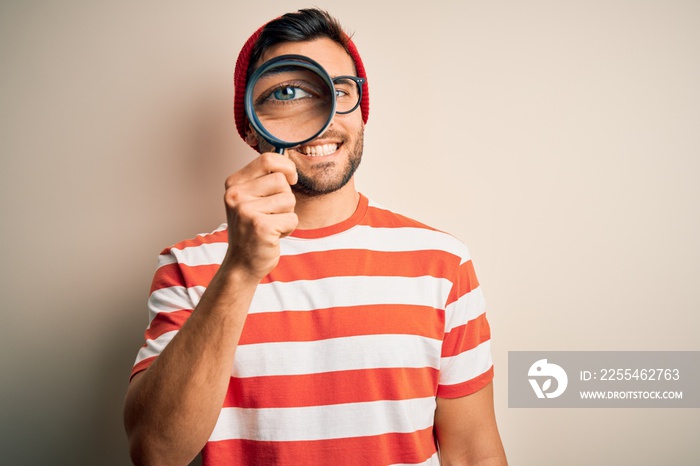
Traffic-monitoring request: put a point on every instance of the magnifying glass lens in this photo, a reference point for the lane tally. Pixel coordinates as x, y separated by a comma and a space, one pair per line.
292, 103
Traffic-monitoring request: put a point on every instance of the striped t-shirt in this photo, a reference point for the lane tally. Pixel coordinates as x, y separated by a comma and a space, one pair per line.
346, 345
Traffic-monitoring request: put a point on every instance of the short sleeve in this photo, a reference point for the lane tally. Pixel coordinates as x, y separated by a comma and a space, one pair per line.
169, 306
466, 364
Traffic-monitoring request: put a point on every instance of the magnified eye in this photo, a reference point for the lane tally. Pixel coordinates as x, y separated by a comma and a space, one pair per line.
289, 93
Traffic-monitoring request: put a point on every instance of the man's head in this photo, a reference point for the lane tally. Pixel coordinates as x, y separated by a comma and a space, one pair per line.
303, 25
327, 163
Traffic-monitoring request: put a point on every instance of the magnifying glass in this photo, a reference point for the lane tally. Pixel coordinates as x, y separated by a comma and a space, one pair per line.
290, 100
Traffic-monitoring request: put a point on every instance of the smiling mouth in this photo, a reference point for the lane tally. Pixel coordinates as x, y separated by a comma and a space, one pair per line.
318, 150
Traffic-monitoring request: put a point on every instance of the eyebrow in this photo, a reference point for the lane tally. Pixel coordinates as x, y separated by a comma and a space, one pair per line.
283, 69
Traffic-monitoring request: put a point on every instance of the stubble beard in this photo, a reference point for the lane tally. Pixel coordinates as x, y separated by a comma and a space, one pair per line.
324, 179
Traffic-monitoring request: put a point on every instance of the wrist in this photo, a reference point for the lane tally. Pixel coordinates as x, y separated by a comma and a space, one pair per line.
233, 273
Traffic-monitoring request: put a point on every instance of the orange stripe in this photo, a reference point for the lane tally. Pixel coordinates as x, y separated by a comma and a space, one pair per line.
466, 337
167, 322
380, 218
345, 262
415, 447
328, 388
322, 323
167, 276
467, 282
141, 366
342, 322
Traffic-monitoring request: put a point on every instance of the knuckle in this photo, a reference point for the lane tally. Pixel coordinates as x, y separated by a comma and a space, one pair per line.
244, 211
293, 220
233, 196
267, 161
279, 179
231, 180
288, 200
259, 224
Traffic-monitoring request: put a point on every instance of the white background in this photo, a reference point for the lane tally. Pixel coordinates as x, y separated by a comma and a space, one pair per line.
559, 139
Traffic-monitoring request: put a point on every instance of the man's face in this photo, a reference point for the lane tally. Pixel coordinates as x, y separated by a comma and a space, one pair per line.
327, 163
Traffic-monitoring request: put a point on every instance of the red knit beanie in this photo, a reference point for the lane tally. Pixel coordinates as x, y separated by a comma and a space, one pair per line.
240, 80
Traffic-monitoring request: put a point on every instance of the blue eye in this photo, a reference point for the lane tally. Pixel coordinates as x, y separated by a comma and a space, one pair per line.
290, 93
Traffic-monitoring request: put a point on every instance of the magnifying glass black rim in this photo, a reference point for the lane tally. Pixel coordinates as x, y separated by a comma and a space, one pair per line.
285, 60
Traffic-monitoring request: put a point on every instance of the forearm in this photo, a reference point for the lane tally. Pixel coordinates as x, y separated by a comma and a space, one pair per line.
172, 407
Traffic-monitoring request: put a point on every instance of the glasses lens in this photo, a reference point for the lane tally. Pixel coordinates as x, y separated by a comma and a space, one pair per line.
347, 92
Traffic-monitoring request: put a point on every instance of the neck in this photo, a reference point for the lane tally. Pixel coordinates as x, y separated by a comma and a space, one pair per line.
327, 209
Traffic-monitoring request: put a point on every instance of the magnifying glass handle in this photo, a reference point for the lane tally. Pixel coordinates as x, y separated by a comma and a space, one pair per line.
279, 150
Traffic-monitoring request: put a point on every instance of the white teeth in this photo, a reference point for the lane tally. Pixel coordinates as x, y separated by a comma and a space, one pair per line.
318, 151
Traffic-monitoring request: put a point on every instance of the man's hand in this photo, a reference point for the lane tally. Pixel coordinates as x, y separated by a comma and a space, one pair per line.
260, 211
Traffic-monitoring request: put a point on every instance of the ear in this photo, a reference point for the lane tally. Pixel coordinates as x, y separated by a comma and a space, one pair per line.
251, 137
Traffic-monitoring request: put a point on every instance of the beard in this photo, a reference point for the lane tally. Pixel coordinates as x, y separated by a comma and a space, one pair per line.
326, 178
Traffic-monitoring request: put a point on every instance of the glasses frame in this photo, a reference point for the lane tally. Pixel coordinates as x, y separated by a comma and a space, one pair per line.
360, 84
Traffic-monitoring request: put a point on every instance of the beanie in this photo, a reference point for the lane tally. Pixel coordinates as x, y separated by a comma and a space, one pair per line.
240, 80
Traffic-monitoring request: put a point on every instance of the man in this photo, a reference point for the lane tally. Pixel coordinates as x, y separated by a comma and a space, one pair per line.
315, 327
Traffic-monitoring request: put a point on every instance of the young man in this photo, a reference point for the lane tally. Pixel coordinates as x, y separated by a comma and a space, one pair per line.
315, 327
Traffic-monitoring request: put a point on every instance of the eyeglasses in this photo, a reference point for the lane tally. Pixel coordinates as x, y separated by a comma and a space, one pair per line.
348, 93
299, 91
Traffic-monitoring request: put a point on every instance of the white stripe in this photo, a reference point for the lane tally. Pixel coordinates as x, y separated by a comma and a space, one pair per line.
432, 461
170, 299
468, 307
195, 251
467, 365
166, 259
154, 347
336, 354
325, 422
379, 239
204, 254
305, 295
173, 298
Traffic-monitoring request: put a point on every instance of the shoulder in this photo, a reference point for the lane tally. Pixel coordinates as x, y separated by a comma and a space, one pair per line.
381, 216
204, 248
404, 229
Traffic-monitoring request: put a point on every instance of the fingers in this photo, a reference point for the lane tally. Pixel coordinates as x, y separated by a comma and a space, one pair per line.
262, 187
248, 206
260, 210
279, 225
264, 165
